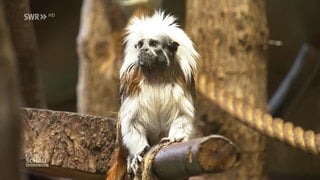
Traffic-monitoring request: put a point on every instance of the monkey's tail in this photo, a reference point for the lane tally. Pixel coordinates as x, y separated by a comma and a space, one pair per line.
118, 171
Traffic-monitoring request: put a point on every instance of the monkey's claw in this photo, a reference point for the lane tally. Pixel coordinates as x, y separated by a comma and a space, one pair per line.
135, 164
136, 161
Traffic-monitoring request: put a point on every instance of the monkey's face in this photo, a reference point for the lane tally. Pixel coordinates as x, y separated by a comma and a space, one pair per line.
156, 53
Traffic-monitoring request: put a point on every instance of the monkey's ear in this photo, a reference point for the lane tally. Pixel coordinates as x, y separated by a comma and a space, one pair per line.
173, 46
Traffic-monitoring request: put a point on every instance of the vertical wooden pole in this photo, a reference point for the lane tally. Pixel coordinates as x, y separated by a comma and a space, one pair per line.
25, 45
10, 122
99, 50
231, 38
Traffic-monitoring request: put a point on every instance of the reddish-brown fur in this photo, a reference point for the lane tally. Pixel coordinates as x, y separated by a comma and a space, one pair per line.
131, 84
118, 171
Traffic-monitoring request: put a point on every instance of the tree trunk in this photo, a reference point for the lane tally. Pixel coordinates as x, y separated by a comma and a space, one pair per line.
231, 38
10, 122
25, 44
99, 49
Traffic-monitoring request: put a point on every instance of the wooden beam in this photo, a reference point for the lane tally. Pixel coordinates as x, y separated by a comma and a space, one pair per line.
67, 140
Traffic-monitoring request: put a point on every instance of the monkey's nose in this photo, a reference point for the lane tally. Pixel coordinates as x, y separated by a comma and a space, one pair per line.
145, 50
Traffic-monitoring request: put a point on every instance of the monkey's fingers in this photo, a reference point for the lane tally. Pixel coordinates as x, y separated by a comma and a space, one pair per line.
170, 139
135, 164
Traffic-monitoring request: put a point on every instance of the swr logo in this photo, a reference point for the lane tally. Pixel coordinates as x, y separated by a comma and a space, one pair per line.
37, 16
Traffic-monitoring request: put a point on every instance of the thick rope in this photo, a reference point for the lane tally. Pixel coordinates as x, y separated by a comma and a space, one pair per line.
259, 120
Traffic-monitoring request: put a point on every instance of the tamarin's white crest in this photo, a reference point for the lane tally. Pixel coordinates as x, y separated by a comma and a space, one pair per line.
129, 6
156, 85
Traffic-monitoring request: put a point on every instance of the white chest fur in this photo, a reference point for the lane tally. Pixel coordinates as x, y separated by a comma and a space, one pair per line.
159, 106
154, 109
157, 111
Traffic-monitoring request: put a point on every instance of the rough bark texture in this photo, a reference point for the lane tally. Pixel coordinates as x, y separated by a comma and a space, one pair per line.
10, 122
68, 140
25, 45
231, 38
100, 53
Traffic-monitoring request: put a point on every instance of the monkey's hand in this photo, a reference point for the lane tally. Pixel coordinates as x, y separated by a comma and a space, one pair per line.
180, 130
134, 165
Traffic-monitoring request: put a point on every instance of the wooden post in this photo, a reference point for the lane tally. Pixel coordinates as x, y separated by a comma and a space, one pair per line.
25, 45
99, 49
10, 122
231, 37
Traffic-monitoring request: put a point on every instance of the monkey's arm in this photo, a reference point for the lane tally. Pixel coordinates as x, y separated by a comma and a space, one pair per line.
133, 134
132, 130
181, 128
133, 143
132, 140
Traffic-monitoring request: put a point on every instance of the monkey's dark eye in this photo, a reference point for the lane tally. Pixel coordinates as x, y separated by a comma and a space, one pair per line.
139, 45
153, 43
173, 46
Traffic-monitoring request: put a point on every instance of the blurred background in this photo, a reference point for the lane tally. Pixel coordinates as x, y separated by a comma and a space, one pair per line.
293, 22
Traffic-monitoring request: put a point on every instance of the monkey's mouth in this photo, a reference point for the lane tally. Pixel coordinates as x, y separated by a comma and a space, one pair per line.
151, 61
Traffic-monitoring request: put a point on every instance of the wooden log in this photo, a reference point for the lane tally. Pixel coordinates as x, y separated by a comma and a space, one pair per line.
231, 38
68, 140
211, 154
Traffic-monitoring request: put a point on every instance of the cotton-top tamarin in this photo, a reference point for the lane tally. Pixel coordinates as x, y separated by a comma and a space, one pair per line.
157, 89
